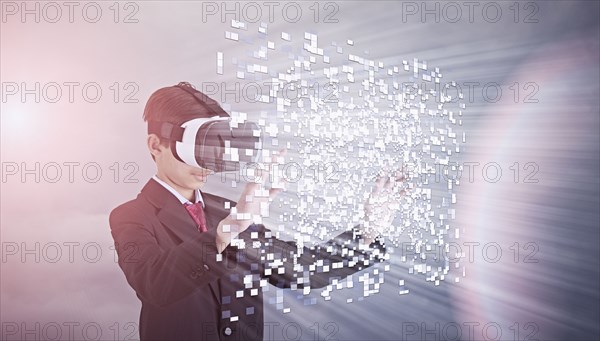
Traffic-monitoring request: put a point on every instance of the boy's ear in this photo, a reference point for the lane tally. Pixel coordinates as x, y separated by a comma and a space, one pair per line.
154, 145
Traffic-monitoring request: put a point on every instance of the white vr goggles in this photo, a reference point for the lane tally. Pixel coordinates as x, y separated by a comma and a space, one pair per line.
212, 143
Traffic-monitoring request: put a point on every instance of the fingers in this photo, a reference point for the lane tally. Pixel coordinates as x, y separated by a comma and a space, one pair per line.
379, 183
391, 181
269, 164
273, 193
277, 158
389, 186
263, 172
387, 179
400, 177
282, 153
397, 179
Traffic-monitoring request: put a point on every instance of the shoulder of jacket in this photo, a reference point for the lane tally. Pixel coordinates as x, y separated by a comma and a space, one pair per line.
136, 210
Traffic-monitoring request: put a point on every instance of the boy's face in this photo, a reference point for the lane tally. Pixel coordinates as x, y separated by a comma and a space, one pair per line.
179, 175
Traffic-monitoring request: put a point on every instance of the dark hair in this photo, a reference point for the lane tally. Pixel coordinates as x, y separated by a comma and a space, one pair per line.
177, 104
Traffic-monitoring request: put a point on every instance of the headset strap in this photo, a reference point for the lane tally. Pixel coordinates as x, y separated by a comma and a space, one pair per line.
166, 130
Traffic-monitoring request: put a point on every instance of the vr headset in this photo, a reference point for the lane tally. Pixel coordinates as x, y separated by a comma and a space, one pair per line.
214, 142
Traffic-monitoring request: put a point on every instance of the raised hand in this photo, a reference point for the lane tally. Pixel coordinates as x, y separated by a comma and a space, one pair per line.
253, 204
382, 205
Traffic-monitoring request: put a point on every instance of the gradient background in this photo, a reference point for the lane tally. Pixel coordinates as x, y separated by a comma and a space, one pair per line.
555, 298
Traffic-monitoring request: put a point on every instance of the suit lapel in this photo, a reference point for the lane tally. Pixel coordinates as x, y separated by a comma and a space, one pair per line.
173, 215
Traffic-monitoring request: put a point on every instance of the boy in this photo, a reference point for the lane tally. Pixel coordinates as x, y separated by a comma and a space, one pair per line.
175, 242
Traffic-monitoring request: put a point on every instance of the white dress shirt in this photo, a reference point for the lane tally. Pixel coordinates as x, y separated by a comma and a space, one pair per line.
181, 198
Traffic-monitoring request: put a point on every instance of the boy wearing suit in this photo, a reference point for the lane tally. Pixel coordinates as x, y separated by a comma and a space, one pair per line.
196, 260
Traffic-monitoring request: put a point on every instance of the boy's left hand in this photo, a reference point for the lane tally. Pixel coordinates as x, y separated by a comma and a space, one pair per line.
382, 205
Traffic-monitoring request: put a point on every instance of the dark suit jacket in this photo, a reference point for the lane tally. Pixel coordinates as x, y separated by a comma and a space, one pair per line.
189, 294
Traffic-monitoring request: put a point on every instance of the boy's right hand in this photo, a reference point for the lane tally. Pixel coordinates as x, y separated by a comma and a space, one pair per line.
252, 206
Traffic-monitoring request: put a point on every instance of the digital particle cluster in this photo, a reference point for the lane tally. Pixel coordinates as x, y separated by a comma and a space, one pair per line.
346, 119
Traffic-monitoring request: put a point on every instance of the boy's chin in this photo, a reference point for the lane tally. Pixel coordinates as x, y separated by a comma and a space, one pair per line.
198, 180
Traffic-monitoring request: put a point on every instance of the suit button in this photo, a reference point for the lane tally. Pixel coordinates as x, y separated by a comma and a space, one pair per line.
206, 267
227, 331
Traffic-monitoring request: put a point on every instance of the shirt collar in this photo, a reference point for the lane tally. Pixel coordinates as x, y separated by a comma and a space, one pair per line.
181, 198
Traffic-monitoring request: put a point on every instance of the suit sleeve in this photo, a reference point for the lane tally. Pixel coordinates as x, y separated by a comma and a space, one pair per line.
287, 265
158, 275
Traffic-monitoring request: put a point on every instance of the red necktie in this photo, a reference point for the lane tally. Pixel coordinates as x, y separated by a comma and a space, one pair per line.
197, 213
